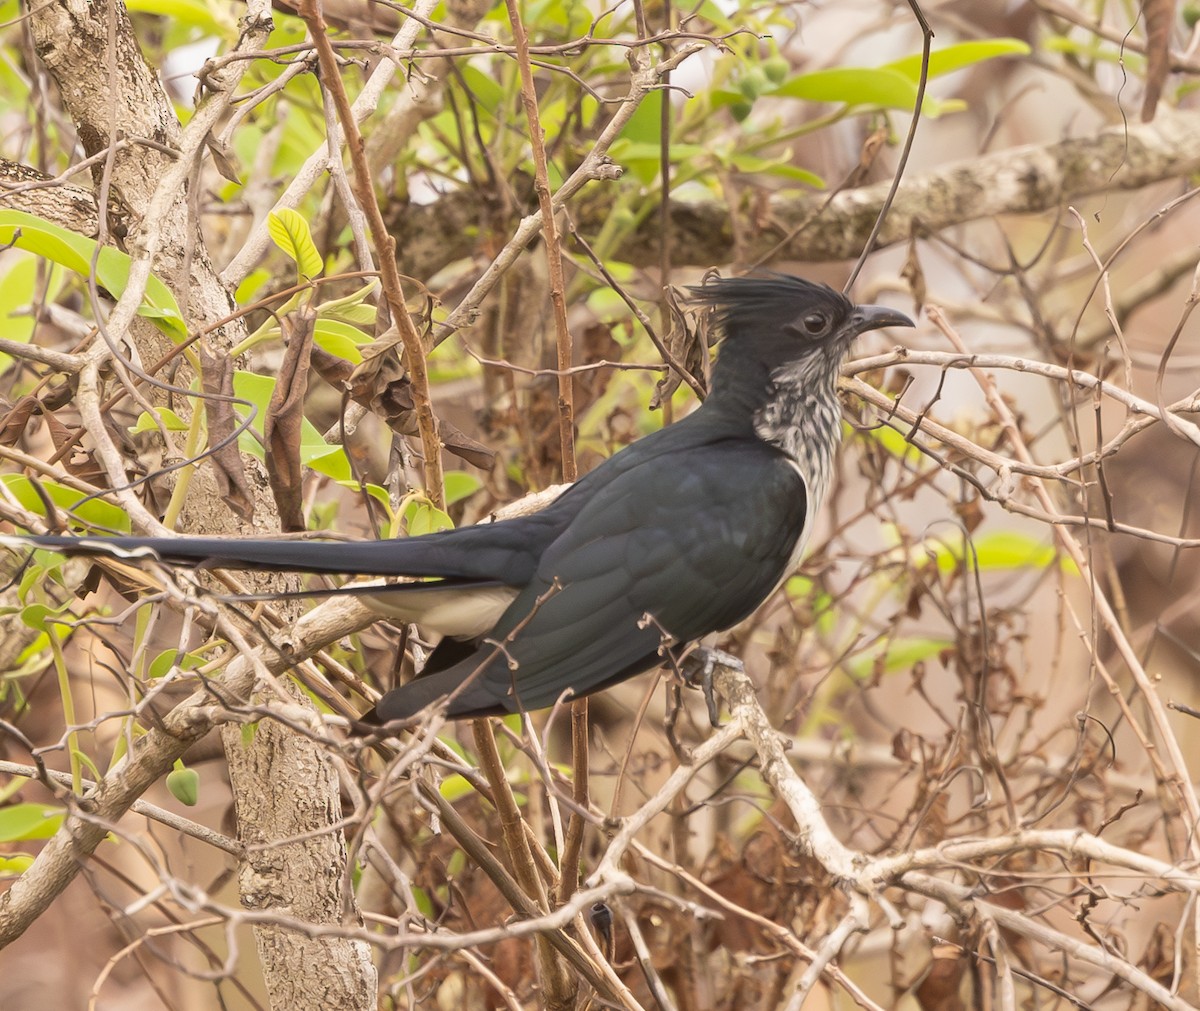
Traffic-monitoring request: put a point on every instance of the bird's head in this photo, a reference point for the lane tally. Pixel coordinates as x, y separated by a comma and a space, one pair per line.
778, 321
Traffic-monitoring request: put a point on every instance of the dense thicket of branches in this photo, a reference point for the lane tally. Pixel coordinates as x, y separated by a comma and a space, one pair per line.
379, 268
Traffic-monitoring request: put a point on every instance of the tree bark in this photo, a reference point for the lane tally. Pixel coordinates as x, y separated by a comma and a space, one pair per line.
284, 784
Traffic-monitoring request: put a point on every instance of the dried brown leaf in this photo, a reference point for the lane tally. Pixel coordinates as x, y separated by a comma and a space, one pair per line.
216, 379
14, 423
383, 388
283, 425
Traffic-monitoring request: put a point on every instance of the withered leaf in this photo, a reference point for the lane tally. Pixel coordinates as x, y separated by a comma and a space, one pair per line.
384, 389
282, 427
77, 461
14, 423
223, 159
217, 378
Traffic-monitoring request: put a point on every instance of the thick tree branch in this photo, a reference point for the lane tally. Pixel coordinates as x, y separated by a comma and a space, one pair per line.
1020, 180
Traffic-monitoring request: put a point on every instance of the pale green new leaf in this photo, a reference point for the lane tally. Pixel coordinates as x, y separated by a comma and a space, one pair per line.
290, 232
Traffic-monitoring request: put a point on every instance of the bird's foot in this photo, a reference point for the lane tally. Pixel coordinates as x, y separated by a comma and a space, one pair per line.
698, 668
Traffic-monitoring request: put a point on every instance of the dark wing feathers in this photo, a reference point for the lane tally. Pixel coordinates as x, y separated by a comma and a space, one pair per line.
664, 550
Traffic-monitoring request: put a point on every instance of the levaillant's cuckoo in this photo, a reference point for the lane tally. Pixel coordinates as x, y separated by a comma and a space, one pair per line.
683, 533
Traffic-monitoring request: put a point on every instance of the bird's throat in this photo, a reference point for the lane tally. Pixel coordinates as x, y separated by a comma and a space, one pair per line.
803, 419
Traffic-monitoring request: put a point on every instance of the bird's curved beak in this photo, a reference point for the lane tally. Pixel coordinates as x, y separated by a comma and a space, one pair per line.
874, 317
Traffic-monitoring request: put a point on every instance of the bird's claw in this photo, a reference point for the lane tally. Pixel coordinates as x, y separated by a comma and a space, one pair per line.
698, 668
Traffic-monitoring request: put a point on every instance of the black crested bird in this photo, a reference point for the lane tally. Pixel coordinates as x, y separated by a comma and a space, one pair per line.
684, 533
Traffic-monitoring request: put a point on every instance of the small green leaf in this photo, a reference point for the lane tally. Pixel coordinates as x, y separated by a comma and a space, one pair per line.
628, 151
377, 492
423, 517
421, 897
459, 484
290, 232
18, 282
645, 130
352, 308
1093, 50
171, 421
892, 442
29, 821
896, 654
15, 864
36, 615
455, 787
363, 315
161, 665
252, 284
184, 784
340, 339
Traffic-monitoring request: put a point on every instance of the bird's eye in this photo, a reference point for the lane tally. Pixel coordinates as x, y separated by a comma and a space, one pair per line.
815, 323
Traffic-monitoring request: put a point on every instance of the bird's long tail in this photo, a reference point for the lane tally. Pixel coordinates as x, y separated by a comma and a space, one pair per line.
374, 558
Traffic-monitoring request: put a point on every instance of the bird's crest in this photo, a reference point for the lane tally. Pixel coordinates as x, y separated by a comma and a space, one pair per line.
767, 301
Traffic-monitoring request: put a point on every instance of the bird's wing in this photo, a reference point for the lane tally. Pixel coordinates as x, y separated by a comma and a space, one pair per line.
696, 540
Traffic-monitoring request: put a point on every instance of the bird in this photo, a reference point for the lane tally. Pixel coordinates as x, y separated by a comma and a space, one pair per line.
683, 533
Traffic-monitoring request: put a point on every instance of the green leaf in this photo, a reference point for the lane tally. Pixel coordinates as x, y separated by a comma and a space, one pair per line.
423, 902
161, 665
459, 484
364, 314
251, 285
340, 338
35, 615
377, 492
483, 88
958, 56
455, 787
423, 517
75, 252
893, 442
1093, 50
171, 421
197, 13
15, 864
1005, 549
896, 654
94, 512
750, 165
17, 286
290, 232
629, 151
644, 130
29, 821
352, 308
853, 86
